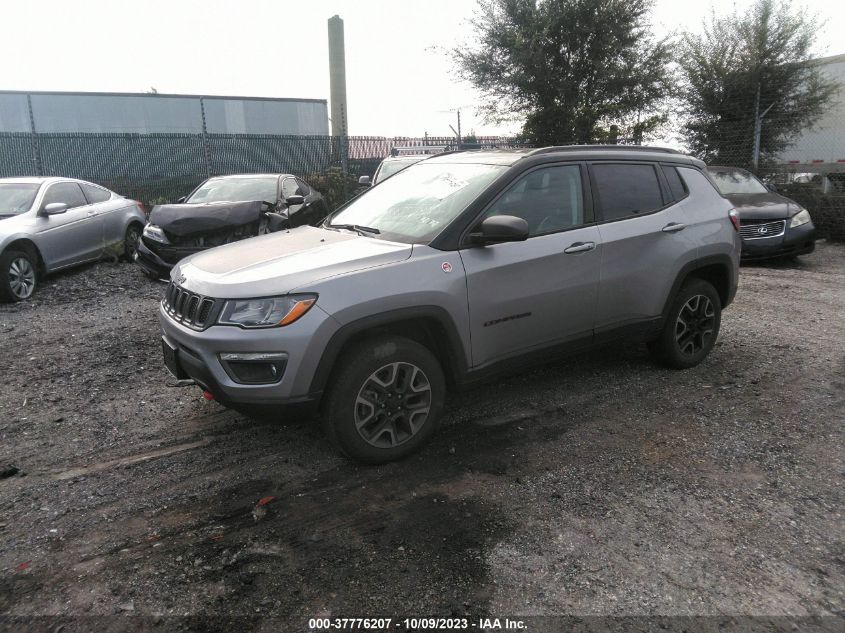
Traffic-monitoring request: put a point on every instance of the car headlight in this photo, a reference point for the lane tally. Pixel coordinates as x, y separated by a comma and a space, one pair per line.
269, 312
802, 217
155, 233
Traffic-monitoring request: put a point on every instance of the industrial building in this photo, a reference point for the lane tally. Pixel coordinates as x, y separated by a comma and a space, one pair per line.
141, 113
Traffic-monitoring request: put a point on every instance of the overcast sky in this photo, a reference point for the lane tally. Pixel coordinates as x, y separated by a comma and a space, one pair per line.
399, 82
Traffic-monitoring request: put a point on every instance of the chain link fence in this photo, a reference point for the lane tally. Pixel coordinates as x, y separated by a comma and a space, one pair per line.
157, 168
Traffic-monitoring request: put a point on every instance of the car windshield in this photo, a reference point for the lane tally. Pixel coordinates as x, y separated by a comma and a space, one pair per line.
236, 190
418, 202
734, 181
16, 197
390, 167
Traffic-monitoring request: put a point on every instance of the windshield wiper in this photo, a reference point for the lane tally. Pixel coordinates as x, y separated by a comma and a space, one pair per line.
361, 230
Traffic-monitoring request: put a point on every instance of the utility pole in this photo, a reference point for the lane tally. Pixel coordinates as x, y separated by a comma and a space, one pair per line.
758, 128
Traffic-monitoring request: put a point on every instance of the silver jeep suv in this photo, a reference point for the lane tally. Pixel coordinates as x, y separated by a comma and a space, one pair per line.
458, 267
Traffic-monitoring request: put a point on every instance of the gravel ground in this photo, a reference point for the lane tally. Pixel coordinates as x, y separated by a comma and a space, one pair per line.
601, 485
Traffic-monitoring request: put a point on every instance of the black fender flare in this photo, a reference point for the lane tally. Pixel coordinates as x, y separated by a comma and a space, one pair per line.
722, 260
448, 341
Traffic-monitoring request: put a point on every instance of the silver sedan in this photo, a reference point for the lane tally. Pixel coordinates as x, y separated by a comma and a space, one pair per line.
47, 224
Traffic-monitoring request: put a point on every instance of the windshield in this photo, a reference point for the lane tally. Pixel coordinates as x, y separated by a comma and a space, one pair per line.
418, 202
236, 190
733, 181
390, 167
16, 197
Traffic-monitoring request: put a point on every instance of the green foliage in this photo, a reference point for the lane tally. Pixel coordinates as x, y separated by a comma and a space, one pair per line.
568, 68
336, 186
767, 48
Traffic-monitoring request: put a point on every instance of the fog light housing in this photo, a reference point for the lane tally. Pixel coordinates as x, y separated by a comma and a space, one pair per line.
259, 368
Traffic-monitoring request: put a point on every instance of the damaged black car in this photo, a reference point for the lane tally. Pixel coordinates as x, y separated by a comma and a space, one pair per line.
226, 209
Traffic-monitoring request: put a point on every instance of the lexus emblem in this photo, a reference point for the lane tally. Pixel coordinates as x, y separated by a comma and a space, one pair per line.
763, 230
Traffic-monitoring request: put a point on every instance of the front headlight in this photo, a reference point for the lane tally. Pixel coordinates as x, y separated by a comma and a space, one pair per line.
802, 217
155, 233
269, 312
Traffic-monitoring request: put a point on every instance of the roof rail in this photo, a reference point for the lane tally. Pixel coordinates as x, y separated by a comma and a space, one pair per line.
581, 148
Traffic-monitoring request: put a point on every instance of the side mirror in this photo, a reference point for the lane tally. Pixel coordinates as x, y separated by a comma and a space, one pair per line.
501, 228
55, 208
364, 181
294, 200
181, 200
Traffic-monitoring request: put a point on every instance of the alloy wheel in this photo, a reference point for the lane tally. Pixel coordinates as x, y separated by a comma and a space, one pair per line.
393, 405
695, 324
132, 237
21, 277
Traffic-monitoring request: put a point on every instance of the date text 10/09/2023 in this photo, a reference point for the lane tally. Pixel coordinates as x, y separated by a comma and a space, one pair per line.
416, 624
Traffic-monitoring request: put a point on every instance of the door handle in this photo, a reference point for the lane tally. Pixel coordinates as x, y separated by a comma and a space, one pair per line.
580, 247
673, 227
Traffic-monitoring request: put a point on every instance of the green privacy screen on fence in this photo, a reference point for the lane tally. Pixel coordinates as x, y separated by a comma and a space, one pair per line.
162, 167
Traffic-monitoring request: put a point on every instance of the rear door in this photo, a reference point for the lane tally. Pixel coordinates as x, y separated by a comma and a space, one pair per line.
524, 296
646, 239
109, 208
73, 236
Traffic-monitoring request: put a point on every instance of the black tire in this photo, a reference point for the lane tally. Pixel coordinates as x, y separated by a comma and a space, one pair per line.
691, 328
130, 241
18, 275
402, 390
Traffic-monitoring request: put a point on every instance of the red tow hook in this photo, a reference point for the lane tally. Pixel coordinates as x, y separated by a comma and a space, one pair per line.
207, 395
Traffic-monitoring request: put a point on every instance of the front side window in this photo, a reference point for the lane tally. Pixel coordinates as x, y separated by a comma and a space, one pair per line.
235, 190
548, 199
731, 181
303, 187
67, 192
625, 190
420, 201
16, 197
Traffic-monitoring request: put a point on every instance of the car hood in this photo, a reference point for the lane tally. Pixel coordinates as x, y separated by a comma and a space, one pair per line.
185, 220
278, 263
762, 206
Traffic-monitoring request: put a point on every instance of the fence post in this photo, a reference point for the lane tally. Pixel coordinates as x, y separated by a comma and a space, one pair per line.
205, 149
36, 146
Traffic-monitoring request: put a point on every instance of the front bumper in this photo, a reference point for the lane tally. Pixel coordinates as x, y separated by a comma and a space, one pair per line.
160, 259
798, 241
199, 352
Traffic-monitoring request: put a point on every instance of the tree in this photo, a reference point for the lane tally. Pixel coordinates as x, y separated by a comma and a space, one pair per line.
569, 68
743, 67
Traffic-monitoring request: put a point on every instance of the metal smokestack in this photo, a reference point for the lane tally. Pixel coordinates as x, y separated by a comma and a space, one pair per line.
337, 77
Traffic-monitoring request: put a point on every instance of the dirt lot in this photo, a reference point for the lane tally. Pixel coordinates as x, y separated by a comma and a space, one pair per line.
600, 485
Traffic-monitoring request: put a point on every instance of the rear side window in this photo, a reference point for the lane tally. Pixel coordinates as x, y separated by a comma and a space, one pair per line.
676, 185
67, 192
625, 190
95, 194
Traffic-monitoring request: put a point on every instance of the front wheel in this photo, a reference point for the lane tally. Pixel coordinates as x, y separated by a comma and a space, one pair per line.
18, 276
691, 327
385, 401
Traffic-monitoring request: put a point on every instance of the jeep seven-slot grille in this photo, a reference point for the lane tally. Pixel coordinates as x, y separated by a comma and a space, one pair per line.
188, 308
755, 230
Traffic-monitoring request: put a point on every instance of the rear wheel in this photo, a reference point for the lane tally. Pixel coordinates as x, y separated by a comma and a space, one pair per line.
18, 275
130, 242
386, 399
691, 327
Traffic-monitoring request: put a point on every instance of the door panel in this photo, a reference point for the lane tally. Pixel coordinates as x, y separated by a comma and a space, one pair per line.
73, 236
642, 249
526, 295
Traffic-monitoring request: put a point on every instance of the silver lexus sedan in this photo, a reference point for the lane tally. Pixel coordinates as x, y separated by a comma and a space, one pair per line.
47, 224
